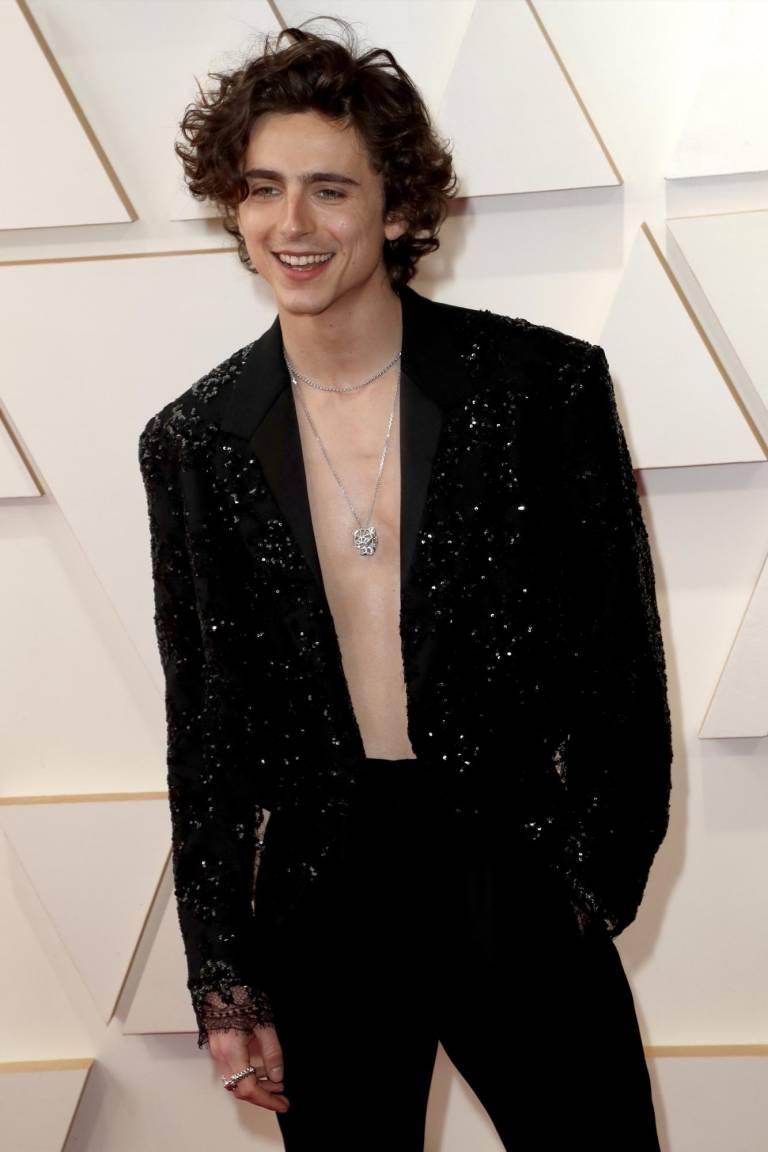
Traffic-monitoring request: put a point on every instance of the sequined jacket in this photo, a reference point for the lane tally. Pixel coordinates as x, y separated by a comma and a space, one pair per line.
531, 642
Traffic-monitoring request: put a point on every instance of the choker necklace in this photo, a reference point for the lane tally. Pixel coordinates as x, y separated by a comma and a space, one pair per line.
349, 387
365, 536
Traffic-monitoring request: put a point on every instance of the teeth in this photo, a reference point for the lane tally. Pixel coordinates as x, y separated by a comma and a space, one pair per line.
297, 261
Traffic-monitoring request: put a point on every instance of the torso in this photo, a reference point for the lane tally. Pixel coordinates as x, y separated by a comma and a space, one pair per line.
363, 592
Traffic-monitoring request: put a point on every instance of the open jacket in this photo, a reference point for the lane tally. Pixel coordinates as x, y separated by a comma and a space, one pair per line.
532, 650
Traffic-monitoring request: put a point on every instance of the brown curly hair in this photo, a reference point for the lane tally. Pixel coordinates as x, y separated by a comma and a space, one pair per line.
370, 91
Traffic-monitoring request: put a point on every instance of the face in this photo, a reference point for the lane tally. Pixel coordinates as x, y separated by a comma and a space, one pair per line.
313, 193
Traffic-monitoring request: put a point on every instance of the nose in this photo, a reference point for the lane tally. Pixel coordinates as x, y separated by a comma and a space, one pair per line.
295, 219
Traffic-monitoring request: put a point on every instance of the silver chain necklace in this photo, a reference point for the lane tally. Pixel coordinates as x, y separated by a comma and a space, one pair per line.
365, 536
346, 388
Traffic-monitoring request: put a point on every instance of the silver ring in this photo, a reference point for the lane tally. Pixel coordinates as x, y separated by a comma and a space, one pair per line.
231, 1081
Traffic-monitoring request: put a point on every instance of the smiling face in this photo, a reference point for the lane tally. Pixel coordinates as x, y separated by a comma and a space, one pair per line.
315, 200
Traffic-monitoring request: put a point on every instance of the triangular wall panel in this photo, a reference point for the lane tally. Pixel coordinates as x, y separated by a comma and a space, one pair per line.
64, 181
506, 75
79, 711
677, 407
739, 706
16, 478
161, 1002
727, 254
39, 1018
725, 129
95, 867
134, 64
38, 1101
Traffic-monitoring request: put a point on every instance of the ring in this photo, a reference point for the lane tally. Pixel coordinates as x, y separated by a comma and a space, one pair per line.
231, 1081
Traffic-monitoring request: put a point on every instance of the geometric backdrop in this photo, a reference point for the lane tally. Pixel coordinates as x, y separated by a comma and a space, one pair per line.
117, 291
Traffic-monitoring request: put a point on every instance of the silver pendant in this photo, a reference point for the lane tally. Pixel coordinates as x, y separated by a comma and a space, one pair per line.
366, 540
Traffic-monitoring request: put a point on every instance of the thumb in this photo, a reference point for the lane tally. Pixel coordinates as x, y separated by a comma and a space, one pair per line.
272, 1054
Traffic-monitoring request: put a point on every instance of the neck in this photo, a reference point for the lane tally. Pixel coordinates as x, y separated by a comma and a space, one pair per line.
347, 342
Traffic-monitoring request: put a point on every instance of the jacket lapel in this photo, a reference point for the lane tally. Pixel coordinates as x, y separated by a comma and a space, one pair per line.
261, 416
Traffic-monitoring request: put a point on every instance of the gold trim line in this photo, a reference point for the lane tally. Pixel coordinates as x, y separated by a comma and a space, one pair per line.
84, 798
61, 1065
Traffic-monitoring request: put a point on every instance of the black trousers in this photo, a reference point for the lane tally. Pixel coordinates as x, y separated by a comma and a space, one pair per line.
429, 927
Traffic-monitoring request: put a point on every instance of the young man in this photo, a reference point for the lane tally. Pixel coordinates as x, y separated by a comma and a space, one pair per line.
405, 607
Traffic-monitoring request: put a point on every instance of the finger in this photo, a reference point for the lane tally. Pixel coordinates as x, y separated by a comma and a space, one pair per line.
256, 1060
229, 1051
264, 1081
271, 1052
228, 1044
250, 1091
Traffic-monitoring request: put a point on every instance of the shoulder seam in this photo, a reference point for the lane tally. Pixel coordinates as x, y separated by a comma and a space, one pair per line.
158, 420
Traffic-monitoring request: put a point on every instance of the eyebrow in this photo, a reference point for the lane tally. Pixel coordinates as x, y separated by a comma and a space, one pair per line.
306, 177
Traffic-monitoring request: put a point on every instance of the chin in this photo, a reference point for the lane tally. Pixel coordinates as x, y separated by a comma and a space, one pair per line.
305, 305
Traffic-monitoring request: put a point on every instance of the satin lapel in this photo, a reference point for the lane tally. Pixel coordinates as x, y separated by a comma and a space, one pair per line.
420, 423
261, 418
277, 444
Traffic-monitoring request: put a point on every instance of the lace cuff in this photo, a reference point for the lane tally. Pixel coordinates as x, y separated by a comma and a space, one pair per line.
222, 1003
241, 1009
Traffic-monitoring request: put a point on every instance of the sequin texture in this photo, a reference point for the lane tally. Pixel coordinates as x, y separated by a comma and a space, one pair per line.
531, 640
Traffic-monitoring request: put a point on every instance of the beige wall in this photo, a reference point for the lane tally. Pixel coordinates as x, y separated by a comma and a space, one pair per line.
614, 165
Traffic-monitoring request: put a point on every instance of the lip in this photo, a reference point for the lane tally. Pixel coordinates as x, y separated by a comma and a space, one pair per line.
308, 272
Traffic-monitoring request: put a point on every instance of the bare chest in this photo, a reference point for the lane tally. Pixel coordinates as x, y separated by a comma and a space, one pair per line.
363, 592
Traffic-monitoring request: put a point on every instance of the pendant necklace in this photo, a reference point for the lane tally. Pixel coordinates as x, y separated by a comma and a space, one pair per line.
365, 537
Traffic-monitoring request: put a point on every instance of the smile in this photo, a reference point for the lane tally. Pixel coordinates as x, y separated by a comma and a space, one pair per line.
301, 269
300, 261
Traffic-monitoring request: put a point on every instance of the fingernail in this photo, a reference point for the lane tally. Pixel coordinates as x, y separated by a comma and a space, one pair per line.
276, 1073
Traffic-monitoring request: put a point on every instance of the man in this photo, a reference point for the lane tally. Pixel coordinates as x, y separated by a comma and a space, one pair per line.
405, 606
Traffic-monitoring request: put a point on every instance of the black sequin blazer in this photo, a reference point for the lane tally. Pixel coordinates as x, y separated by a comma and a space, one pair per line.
532, 648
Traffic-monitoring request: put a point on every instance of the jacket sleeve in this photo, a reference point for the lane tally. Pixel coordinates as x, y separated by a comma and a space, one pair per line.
215, 820
614, 748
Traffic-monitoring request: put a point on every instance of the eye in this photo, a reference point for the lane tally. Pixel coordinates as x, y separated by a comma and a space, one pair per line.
331, 193
263, 188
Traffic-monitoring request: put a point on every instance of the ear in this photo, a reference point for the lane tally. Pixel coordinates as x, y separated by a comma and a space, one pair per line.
394, 227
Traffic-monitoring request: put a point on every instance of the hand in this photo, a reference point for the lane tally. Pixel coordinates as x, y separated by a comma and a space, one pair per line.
233, 1050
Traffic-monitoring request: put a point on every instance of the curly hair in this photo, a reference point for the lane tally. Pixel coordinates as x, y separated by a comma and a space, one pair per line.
369, 91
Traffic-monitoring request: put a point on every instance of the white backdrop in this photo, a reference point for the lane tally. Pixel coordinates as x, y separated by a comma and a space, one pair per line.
613, 157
